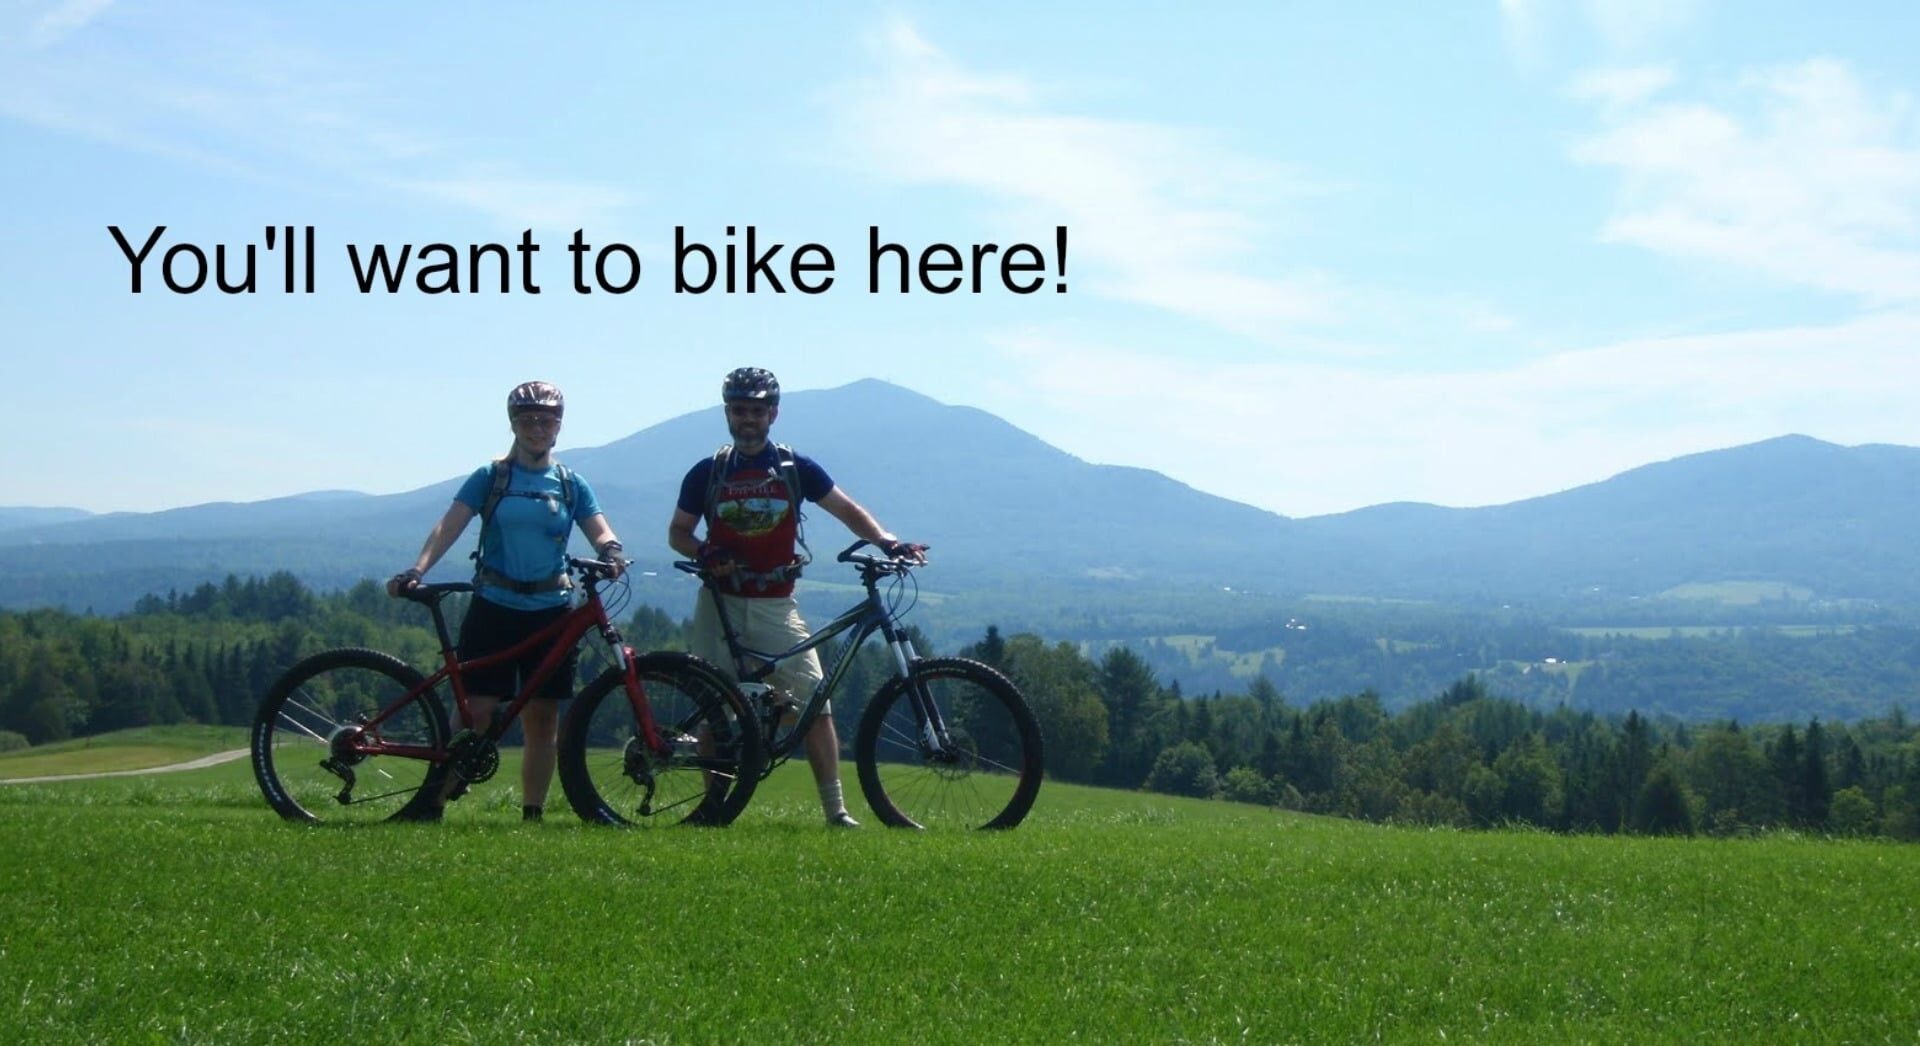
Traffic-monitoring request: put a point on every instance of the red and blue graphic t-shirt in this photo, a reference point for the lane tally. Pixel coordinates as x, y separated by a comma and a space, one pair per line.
752, 512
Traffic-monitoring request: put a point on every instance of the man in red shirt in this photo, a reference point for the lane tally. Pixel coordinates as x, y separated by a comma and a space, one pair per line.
749, 495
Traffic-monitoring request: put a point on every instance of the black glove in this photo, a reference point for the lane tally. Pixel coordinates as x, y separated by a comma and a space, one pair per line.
400, 583
711, 555
897, 549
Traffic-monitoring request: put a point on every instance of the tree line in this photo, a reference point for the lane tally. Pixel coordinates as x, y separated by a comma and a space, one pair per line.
1466, 757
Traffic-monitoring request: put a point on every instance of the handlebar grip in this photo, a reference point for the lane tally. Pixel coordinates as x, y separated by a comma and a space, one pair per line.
846, 554
422, 592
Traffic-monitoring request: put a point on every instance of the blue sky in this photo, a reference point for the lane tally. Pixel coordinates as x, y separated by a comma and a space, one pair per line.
1321, 255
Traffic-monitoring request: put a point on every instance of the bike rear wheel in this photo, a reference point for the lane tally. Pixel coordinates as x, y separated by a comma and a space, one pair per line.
307, 727
612, 776
988, 775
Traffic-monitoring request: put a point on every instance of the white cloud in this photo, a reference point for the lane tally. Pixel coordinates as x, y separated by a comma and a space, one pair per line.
1523, 25
1817, 184
244, 100
1307, 439
1628, 25
527, 203
1619, 28
64, 20
1161, 215
1619, 88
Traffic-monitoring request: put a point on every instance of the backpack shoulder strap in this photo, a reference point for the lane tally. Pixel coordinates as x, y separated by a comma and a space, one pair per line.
566, 487
716, 476
502, 478
790, 475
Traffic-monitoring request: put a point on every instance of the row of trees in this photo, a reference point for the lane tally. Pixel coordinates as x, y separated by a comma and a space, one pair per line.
1464, 757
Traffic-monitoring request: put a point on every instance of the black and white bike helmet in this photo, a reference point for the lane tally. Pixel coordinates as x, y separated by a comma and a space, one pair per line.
753, 384
535, 395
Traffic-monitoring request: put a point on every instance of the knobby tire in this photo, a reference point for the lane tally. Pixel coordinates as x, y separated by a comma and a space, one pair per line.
317, 700
611, 778
991, 777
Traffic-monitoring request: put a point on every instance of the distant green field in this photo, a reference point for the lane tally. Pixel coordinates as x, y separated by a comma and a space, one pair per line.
1670, 631
177, 908
1738, 593
1328, 597
1242, 663
122, 750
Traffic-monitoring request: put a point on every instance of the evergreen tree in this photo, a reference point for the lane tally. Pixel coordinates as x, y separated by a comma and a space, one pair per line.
1267, 696
1663, 807
1789, 774
1636, 754
1816, 794
1851, 771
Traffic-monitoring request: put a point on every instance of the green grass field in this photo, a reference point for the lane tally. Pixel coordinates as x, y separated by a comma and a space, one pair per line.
1690, 631
177, 908
124, 750
1738, 593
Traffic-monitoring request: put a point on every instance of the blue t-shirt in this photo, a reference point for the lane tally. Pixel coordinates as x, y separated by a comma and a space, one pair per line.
528, 538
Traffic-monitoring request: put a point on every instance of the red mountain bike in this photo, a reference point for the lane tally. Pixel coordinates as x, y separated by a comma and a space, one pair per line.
358, 735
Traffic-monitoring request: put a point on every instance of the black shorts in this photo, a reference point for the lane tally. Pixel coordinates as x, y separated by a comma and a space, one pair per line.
490, 627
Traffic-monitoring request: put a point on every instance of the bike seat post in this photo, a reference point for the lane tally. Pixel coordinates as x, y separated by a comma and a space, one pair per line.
440, 622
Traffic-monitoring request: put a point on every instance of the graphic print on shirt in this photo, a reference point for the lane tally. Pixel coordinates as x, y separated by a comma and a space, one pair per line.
752, 516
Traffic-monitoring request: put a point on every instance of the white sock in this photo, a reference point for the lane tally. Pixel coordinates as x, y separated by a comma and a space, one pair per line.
831, 800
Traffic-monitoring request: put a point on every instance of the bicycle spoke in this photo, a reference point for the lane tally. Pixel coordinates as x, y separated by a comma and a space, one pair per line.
305, 715
986, 772
705, 770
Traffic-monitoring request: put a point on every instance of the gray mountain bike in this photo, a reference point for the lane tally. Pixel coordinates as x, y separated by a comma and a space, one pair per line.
946, 743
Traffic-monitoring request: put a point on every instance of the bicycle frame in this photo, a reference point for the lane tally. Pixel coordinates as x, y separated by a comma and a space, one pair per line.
565, 633
862, 620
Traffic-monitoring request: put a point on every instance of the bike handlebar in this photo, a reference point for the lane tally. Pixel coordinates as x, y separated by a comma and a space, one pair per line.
847, 555
878, 564
421, 592
593, 570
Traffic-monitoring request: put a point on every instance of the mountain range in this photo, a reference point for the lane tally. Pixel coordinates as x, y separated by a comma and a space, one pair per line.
1012, 516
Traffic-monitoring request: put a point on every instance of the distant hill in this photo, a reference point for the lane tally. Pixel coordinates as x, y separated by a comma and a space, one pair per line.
1839, 521
16, 518
1021, 524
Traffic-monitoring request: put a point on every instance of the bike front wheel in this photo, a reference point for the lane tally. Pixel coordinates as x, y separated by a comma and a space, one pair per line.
312, 728
702, 771
985, 773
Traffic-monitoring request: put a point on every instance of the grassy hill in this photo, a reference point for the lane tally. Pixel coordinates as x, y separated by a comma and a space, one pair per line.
177, 907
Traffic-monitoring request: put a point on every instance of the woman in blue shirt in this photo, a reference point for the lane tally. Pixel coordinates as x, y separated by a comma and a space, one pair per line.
529, 505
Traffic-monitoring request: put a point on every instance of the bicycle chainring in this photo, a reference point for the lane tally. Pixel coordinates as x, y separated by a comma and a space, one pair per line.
473, 756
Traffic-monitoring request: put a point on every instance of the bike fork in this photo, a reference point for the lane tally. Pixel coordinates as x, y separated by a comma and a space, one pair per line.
637, 698
933, 728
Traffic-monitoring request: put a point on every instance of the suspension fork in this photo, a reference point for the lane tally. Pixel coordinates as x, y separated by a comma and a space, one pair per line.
933, 725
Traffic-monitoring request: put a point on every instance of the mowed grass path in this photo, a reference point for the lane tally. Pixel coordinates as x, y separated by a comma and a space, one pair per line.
178, 908
123, 750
